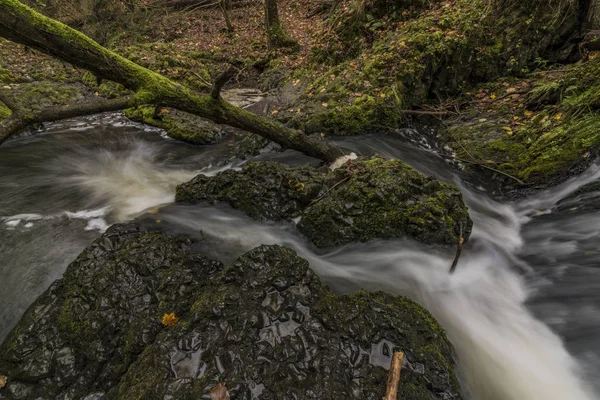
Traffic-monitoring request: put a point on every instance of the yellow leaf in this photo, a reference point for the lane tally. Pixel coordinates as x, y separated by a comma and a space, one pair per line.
324, 104
274, 112
382, 95
508, 130
516, 117
558, 116
169, 319
155, 211
492, 96
528, 113
2, 381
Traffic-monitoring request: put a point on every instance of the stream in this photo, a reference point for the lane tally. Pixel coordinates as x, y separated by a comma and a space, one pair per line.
522, 310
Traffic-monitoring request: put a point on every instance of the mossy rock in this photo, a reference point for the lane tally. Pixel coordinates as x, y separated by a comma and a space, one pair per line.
264, 325
379, 199
362, 201
178, 124
263, 190
87, 329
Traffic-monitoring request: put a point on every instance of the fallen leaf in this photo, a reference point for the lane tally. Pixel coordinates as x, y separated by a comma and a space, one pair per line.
2, 381
558, 116
516, 117
508, 130
169, 319
528, 113
219, 392
492, 96
155, 211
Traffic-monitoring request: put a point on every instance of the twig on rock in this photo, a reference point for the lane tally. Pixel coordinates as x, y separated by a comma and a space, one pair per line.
461, 240
391, 392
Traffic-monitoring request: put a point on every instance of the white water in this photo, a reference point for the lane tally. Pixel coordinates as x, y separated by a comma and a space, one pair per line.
504, 352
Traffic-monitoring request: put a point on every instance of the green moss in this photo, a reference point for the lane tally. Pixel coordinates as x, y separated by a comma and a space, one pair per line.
6, 76
385, 199
562, 134
4, 111
382, 58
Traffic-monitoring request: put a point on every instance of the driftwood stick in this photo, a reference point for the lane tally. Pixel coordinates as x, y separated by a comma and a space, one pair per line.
461, 240
391, 392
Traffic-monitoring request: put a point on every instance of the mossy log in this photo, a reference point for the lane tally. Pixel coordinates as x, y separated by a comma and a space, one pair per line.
20, 119
22, 24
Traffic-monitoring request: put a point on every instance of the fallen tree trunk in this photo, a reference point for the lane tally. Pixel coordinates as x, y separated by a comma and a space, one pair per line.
22, 24
20, 119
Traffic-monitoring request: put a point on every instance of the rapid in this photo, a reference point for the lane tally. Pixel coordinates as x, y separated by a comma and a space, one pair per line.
522, 310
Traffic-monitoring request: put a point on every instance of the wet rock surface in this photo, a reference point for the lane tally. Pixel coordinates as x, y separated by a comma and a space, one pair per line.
263, 190
364, 200
265, 326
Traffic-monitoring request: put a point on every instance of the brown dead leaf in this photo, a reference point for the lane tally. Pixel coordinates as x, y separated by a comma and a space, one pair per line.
219, 392
2, 381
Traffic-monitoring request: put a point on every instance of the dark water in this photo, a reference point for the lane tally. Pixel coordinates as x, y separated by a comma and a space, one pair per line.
523, 310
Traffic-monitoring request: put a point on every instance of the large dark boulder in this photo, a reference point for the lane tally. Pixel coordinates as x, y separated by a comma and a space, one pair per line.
265, 326
263, 190
364, 200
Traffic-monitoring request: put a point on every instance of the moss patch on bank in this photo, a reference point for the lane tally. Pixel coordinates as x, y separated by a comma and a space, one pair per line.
385, 58
549, 128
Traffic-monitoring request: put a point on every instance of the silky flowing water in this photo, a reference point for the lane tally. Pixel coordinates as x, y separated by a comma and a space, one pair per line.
522, 310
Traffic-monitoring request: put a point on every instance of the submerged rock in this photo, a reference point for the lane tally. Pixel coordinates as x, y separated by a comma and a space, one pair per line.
265, 326
362, 201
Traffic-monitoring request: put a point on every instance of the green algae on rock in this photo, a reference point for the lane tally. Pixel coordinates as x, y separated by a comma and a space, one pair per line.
362, 201
386, 199
265, 324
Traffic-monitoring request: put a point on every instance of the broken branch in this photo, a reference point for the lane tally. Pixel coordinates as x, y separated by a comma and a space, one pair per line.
461, 240
391, 392
221, 80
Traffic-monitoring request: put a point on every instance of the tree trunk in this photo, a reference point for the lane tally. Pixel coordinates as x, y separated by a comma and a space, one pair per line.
224, 5
276, 36
22, 24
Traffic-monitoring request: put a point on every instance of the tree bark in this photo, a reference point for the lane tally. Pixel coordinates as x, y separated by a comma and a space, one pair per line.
20, 119
276, 36
22, 24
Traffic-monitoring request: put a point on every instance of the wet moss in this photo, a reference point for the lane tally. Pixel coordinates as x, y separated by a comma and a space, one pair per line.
4, 111
178, 125
382, 58
385, 199
540, 137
